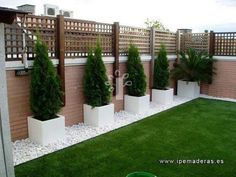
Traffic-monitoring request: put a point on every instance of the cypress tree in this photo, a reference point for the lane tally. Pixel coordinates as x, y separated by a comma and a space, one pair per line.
161, 71
45, 89
136, 75
97, 91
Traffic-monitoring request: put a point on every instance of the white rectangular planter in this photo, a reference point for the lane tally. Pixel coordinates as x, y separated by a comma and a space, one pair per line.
188, 89
99, 116
162, 96
46, 132
137, 105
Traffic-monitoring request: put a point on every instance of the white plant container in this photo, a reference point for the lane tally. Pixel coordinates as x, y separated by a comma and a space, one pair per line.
99, 116
46, 132
136, 104
162, 96
188, 89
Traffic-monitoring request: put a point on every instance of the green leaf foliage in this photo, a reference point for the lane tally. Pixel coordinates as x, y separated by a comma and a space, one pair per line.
97, 90
136, 75
194, 66
45, 90
161, 70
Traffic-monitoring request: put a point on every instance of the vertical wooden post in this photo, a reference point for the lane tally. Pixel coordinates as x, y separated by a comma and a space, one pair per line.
60, 52
212, 43
178, 43
152, 51
6, 159
116, 54
178, 48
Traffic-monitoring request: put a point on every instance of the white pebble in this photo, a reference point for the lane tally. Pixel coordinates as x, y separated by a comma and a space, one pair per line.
25, 150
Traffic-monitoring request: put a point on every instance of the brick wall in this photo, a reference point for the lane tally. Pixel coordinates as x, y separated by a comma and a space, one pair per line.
18, 97
18, 100
224, 82
224, 85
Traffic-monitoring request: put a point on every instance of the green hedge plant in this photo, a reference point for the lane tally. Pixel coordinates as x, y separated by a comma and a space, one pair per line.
194, 66
136, 75
97, 90
45, 89
161, 70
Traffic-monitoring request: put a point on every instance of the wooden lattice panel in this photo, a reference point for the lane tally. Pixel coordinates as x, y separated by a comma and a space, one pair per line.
81, 36
197, 41
138, 36
225, 44
45, 27
166, 38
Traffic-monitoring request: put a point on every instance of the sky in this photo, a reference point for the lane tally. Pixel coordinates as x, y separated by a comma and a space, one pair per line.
217, 15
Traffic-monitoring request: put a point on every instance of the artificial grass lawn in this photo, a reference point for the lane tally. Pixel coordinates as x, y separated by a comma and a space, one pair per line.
201, 129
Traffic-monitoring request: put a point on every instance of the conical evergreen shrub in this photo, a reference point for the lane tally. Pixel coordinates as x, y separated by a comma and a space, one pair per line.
136, 75
97, 90
161, 70
45, 90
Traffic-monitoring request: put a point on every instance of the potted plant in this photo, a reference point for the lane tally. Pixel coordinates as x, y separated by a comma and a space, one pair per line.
161, 93
45, 126
193, 68
136, 101
98, 111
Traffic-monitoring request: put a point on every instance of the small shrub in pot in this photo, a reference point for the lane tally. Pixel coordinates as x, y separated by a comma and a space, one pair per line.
161, 70
45, 89
136, 74
98, 111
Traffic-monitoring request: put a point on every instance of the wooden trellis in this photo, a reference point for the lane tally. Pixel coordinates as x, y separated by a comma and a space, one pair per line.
137, 36
197, 41
81, 36
34, 26
166, 38
225, 44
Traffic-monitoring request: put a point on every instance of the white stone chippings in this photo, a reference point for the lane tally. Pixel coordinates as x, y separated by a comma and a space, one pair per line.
25, 150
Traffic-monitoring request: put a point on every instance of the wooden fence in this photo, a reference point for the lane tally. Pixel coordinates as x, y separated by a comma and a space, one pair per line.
80, 36
219, 44
198, 41
45, 27
224, 44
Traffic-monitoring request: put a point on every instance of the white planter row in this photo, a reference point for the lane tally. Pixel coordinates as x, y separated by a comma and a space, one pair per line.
46, 132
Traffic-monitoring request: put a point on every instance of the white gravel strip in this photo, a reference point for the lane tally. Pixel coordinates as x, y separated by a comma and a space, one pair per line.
25, 150
217, 98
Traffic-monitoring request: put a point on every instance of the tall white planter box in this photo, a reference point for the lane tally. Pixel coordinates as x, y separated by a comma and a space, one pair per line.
137, 105
188, 89
46, 132
99, 116
162, 96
